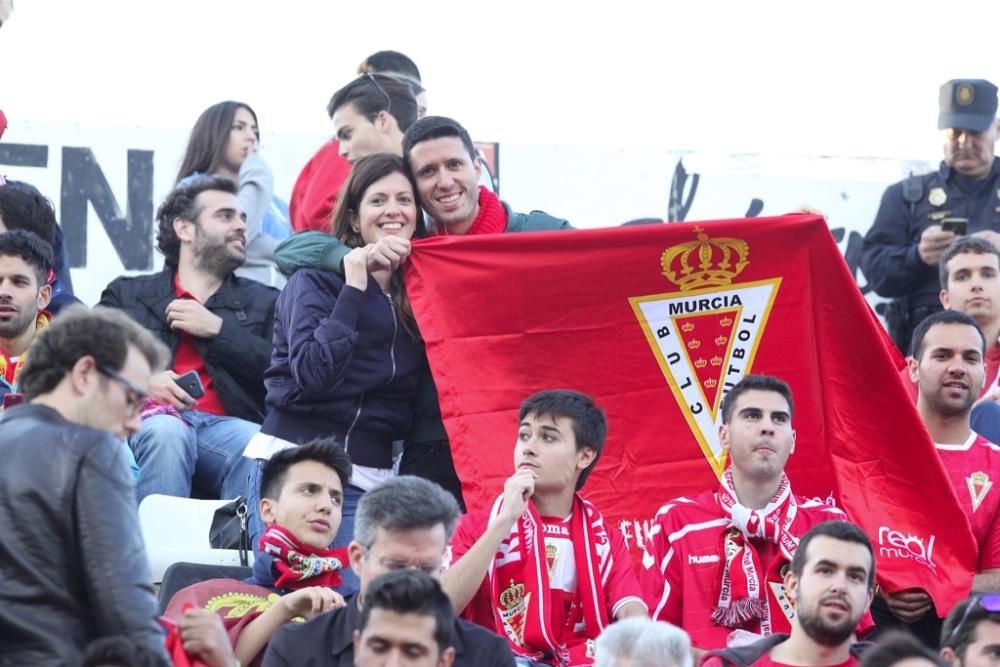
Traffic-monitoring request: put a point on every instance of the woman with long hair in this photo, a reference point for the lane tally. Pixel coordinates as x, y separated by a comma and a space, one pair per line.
224, 142
346, 349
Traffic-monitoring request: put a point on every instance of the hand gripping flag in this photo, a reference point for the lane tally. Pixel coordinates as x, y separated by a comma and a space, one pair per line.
657, 323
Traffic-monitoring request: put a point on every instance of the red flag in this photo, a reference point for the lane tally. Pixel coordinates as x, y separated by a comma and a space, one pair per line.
656, 323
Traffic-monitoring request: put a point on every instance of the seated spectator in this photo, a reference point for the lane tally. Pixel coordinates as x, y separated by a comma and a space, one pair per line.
74, 564
407, 620
403, 523
219, 326
542, 567
899, 649
970, 283
314, 196
641, 642
948, 368
970, 634
25, 262
301, 501
831, 582
442, 158
346, 351
22, 206
225, 142
714, 562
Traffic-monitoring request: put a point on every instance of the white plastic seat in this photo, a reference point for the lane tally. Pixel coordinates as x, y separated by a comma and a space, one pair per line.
176, 530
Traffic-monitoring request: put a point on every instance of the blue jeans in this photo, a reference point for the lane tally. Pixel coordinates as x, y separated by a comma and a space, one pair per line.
344, 534
202, 450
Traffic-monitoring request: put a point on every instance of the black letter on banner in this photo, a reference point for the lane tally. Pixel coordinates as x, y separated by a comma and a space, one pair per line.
83, 182
663, 332
696, 409
750, 320
24, 155
673, 358
743, 335
687, 383
739, 352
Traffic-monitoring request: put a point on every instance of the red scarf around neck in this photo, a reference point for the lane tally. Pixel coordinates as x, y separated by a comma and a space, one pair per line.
299, 565
520, 593
491, 219
743, 586
10, 370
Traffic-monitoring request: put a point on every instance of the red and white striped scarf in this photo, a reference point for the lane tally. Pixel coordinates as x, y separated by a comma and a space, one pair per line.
743, 589
520, 592
297, 564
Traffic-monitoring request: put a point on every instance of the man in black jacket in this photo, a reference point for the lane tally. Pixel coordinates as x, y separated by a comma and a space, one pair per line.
218, 326
74, 564
404, 522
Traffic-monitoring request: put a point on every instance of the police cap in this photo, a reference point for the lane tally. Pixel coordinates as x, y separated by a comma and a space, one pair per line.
967, 104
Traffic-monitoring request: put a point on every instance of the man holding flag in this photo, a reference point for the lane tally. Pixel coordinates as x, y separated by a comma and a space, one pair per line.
715, 562
542, 567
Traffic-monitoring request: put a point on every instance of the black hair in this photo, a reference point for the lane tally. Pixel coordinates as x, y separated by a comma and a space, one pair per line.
390, 62
896, 646
757, 383
322, 450
33, 250
180, 203
973, 245
942, 317
372, 93
844, 531
411, 592
22, 206
959, 627
590, 426
436, 127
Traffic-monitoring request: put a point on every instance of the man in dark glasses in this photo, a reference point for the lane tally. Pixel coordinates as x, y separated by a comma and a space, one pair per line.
971, 633
74, 564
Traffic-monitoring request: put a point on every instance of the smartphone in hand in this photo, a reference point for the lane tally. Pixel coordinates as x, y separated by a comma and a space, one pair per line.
191, 383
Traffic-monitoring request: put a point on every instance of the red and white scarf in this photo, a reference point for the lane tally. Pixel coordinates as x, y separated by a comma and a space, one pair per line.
520, 594
10, 369
299, 565
743, 587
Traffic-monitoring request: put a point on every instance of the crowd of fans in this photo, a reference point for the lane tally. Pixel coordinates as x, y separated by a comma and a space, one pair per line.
313, 399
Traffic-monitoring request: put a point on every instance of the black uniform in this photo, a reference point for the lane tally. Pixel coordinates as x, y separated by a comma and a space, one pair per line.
890, 260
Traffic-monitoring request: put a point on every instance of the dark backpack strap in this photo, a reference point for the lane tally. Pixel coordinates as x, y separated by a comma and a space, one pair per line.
913, 191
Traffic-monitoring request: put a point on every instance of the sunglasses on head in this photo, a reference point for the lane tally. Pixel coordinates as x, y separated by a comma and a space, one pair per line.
988, 602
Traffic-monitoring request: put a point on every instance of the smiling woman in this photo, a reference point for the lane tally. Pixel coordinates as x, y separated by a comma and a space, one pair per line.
224, 142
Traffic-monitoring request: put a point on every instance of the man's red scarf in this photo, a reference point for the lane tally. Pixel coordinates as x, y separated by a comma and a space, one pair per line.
743, 589
11, 369
491, 219
299, 565
519, 586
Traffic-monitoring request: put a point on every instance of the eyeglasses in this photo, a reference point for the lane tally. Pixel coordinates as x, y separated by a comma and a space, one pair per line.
379, 88
134, 396
988, 602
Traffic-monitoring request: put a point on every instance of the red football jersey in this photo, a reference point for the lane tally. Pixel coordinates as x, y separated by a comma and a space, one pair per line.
681, 570
971, 467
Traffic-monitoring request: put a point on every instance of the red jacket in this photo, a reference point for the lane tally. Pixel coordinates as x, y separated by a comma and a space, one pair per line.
316, 189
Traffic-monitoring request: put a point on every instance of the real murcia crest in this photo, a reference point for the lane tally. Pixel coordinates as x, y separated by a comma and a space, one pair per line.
705, 335
514, 603
979, 485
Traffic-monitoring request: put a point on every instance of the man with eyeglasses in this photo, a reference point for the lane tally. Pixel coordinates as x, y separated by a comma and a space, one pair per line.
970, 636
403, 523
218, 327
74, 564
921, 215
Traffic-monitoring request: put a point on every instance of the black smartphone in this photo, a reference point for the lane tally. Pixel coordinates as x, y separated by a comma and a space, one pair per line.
958, 225
191, 383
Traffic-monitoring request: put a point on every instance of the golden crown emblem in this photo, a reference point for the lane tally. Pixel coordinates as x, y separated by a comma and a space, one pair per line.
716, 360
512, 596
706, 262
726, 322
694, 344
700, 363
721, 340
687, 327
710, 383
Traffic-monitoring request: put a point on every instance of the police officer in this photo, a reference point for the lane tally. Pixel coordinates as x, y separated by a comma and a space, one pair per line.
921, 215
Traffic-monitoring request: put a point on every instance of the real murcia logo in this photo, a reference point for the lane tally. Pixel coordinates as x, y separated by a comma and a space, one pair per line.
705, 335
979, 485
